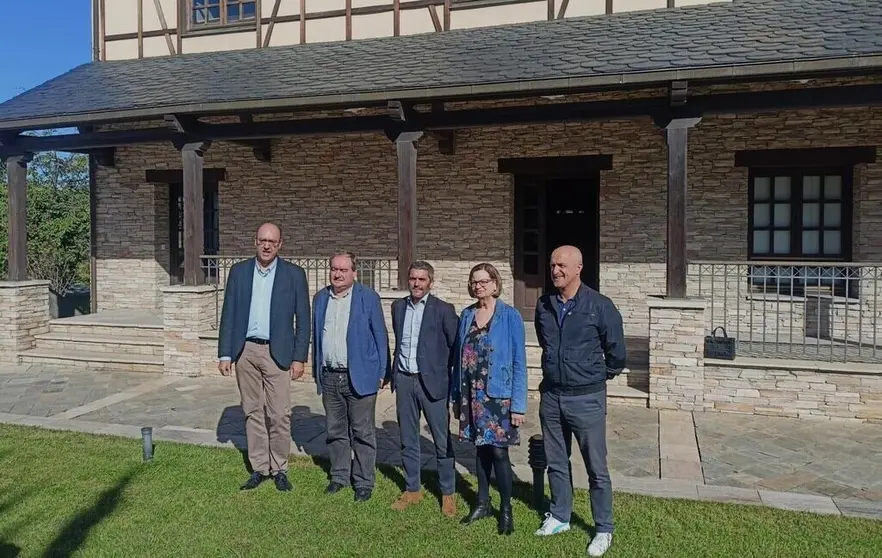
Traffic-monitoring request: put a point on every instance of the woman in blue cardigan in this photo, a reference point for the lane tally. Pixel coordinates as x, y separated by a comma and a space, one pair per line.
490, 388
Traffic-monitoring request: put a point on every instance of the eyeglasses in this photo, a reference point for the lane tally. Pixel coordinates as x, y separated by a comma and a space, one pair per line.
482, 282
269, 241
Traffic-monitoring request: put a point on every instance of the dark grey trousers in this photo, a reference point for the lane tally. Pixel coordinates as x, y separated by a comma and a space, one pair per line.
345, 411
410, 399
562, 416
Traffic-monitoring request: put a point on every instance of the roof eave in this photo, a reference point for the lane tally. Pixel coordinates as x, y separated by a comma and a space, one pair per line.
735, 71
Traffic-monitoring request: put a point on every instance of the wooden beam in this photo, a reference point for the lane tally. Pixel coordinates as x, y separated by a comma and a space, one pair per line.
436, 21
609, 6
396, 17
348, 19
447, 15
574, 165
258, 17
811, 156
164, 24
96, 41
184, 15
194, 227
272, 23
302, 21
550, 10
677, 132
17, 255
562, 13
140, 28
93, 236
405, 145
102, 28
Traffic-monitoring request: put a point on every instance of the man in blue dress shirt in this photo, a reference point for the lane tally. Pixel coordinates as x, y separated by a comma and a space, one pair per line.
264, 329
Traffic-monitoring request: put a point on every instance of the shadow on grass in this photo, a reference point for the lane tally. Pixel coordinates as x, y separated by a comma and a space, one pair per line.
75, 532
9, 550
308, 436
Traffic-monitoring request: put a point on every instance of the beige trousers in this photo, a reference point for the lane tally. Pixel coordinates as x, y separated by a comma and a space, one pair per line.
266, 401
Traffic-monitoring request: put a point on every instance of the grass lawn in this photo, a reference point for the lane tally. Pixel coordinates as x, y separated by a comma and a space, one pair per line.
64, 494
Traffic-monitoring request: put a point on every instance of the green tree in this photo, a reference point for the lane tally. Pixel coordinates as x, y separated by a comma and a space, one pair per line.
57, 220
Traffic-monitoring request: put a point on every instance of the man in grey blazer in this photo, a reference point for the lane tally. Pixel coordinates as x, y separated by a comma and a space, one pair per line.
425, 332
264, 329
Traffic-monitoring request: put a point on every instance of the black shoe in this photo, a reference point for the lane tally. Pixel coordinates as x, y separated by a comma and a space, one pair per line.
282, 482
480, 511
334, 488
506, 521
253, 481
362, 494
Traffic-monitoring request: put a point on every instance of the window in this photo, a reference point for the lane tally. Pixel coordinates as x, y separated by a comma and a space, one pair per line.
221, 12
804, 214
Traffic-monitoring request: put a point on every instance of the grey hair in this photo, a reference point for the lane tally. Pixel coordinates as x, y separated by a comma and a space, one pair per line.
422, 266
346, 253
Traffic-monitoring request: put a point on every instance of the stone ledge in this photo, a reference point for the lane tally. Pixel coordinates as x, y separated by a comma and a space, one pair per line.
676, 303
23, 284
199, 289
806, 365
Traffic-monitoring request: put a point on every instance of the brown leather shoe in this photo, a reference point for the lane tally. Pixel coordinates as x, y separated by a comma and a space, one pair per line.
406, 500
448, 505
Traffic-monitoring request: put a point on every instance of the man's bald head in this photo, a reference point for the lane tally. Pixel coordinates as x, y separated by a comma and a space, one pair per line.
268, 240
566, 268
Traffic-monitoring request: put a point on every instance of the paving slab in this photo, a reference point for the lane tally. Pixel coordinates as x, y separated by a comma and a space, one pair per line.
799, 502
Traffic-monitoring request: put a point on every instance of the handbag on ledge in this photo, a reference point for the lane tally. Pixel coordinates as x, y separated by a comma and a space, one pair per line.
719, 347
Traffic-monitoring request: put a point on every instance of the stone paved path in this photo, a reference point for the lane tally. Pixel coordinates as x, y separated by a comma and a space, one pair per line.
817, 466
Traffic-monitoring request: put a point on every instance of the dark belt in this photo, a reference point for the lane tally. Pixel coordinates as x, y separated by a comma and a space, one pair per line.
335, 370
400, 371
257, 340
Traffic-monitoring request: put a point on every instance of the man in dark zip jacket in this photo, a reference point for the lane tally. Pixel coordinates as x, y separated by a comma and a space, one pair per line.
583, 345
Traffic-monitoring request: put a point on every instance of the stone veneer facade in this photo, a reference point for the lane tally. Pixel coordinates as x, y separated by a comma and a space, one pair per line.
339, 192
24, 313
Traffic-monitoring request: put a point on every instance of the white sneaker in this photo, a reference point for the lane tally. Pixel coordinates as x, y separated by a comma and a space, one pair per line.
552, 526
600, 544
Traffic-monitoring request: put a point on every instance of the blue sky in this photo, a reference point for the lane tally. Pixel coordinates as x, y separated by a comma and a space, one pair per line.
41, 40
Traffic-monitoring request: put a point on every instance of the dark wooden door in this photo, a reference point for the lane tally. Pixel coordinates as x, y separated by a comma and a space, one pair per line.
573, 217
211, 233
530, 259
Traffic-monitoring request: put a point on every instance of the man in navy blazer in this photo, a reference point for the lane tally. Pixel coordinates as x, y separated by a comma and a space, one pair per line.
264, 329
350, 357
425, 333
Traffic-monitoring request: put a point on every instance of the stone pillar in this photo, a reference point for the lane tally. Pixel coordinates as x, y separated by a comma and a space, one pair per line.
24, 313
187, 311
676, 353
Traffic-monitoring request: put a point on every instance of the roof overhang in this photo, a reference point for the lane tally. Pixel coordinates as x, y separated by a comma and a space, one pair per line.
794, 69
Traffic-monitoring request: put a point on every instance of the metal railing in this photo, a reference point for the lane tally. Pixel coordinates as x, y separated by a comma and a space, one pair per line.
377, 273
794, 310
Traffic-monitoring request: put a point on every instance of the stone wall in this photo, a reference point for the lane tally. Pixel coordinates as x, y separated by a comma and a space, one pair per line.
807, 390
339, 192
24, 313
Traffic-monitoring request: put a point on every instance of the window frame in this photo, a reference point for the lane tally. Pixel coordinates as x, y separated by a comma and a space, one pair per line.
796, 228
223, 25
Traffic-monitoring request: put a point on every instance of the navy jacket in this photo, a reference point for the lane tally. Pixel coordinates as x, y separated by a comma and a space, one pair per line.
507, 378
367, 341
579, 357
434, 345
289, 301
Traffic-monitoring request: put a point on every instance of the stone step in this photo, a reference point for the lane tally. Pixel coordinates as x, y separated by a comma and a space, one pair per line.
93, 360
112, 344
65, 326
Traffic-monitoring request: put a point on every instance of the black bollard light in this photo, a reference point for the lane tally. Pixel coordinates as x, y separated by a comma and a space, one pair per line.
147, 442
538, 462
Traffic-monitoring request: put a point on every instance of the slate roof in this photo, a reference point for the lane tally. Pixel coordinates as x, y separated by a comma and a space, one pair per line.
737, 33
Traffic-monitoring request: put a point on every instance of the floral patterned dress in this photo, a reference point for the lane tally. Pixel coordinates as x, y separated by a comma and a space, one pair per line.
482, 419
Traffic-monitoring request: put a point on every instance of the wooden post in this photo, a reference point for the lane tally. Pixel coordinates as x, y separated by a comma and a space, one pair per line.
258, 10
396, 16
677, 131
447, 15
405, 144
17, 176
192, 157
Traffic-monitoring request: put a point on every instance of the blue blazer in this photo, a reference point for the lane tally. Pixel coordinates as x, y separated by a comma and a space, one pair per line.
434, 345
289, 300
367, 341
508, 364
